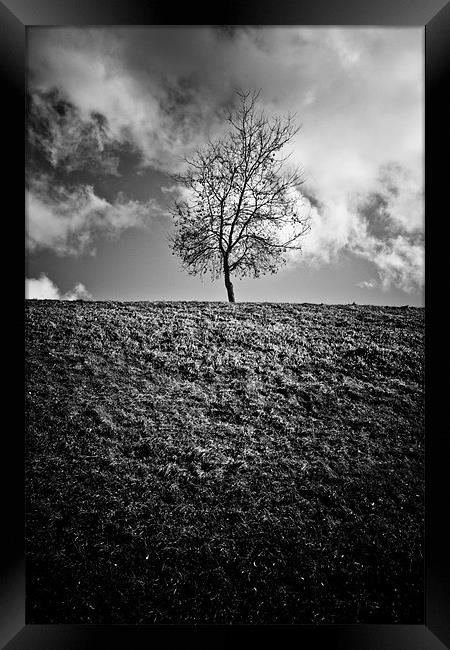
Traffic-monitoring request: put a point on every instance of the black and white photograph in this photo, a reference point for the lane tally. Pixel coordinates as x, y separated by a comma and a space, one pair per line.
225, 325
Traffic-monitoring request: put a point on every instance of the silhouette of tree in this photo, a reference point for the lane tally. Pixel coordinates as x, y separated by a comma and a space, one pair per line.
241, 210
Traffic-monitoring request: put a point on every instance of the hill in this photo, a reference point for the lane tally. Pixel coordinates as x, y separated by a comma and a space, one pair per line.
217, 463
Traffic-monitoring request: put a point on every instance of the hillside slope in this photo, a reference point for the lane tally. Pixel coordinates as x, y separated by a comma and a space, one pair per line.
208, 462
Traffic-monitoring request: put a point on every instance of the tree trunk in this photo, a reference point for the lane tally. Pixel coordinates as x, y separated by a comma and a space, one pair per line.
228, 283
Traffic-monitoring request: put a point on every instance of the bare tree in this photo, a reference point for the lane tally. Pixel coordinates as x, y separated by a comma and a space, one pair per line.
241, 209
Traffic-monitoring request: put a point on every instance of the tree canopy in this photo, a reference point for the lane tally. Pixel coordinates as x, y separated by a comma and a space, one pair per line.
241, 209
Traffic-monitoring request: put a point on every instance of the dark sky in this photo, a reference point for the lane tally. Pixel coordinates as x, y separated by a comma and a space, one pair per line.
112, 112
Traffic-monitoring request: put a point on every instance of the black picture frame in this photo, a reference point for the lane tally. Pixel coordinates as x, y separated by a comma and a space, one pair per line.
434, 16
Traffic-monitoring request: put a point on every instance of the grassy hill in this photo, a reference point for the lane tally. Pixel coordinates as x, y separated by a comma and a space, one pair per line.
217, 463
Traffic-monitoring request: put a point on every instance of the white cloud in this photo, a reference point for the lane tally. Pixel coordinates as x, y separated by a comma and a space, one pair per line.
402, 192
68, 220
359, 94
56, 128
92, 70
368, 284
43, 288
172, 189
79, 292
399, 263
332, 227
384, 226
357, 91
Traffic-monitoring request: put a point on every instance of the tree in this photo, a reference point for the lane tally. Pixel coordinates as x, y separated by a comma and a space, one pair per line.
241, 210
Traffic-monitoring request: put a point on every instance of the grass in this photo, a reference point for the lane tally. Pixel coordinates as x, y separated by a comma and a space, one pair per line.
217, 463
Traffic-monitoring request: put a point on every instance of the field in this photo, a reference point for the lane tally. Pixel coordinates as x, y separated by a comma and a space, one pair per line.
218, 463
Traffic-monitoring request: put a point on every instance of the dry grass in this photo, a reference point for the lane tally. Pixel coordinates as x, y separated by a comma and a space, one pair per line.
216, 463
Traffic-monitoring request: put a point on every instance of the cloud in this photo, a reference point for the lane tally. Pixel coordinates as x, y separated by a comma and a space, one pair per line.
367, 284
67, 141
68, 220
358, 92
385, 226
399, 263
43, 288
135, 79
361, 147
172, 189
79, 292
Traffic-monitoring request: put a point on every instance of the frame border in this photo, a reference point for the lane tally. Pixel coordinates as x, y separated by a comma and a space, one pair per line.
434, 16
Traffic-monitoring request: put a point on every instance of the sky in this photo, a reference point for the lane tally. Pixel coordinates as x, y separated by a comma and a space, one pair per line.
113, 111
